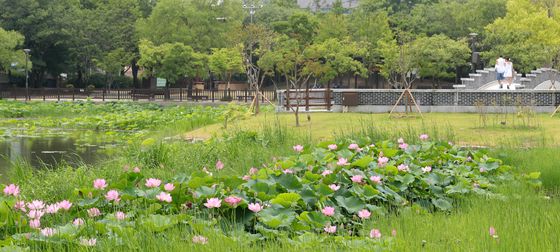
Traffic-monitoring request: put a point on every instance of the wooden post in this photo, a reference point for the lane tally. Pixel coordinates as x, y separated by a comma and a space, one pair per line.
246, 94
43, 91
328, 96
212, 93
73, 94
103, 95
180, 94
118, 94
58, 94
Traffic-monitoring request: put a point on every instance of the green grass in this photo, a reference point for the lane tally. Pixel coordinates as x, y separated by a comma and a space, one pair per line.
526, 218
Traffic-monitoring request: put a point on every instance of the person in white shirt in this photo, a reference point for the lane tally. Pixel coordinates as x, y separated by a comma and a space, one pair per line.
508, 73
500, 69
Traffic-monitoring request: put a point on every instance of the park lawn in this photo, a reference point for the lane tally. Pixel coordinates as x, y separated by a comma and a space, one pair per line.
464, 128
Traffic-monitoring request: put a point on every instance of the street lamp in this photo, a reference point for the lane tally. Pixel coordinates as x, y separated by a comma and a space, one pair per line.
475, 55
27, 51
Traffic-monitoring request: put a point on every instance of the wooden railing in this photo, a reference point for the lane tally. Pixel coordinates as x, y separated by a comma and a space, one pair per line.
171, 94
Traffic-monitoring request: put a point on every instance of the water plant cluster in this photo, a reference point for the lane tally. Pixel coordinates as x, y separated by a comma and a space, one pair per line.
111, 120
330, 190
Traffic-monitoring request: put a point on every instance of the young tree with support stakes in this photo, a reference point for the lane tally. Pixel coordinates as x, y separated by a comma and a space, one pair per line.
257, 41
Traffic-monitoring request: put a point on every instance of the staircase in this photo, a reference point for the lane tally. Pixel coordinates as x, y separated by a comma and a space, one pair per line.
486, 78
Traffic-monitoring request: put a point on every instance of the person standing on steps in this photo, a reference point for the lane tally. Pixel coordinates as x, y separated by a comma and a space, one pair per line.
508, 73
500, 69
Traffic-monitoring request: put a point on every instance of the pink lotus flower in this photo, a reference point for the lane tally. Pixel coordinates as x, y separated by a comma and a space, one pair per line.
35, 205
328, 211
376, 179
364, 214
482, 170
333, 147
93, 212
403, 146
424, 137
232, 200
330, 229
199, 239
112, 195
403, 168
400, 140
382, 161
11, 190
20, 205
78, 222
246, 178
255, 207
427, 169
213, 203
88, 242
326, 172
334, 187
152, 182
35, 214
353, 146
120, 215
35, 223
136, 170
48, 232
253, 171
394, 233
492, 232
169, 187
219, 165
298, 148
469, 159
52, 209
164, 197
65, 204
99, 184
375, 233
357, 178
342, 161
288, 171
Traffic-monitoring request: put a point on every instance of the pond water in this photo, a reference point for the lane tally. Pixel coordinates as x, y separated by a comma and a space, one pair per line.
47, 151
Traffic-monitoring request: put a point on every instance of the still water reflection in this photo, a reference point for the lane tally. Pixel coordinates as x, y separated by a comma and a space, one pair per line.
48, 151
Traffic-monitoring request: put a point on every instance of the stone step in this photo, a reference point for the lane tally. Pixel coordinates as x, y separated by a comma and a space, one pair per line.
482, 71
475, 75
457, 86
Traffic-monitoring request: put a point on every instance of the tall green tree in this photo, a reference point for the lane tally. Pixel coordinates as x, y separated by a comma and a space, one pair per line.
201, 24
527, 34
10, 50
226, 62
171, 61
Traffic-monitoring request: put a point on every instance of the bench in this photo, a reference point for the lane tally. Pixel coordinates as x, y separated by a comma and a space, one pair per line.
199, 97
245, 97
146, 93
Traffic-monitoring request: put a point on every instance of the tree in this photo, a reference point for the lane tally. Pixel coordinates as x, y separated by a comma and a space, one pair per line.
257, 40
438, 56
201, 24
10, 43
171, 61
226, 62
114, 62
532, 37
399, 67
298, 63
369, 26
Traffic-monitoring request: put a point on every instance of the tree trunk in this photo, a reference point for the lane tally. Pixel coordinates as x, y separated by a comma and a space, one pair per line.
134, 67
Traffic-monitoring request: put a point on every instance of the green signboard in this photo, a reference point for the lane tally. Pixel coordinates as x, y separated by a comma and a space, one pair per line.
160, 82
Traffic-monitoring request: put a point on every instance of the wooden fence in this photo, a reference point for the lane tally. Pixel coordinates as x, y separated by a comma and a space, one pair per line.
171, 94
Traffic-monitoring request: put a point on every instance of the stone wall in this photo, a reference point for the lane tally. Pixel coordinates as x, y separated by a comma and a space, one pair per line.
446, 100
